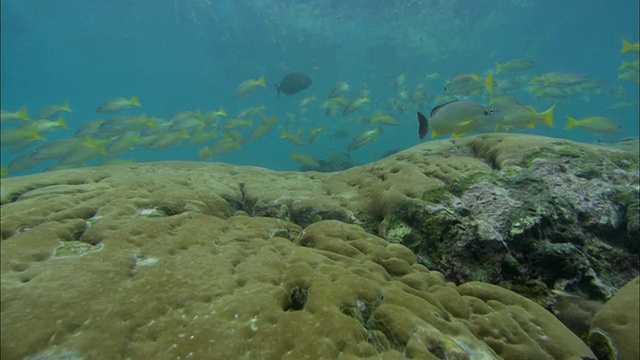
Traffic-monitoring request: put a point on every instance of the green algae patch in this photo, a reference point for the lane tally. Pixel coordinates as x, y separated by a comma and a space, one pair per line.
436, 195
75, 248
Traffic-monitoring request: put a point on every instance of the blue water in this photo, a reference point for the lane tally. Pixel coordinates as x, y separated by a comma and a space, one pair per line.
180, 55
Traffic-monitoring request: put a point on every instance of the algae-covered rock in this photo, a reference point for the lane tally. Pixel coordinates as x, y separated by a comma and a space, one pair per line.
206, 260
614, 332
199, 286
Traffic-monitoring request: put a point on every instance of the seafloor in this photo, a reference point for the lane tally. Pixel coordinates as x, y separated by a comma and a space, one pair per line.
473, 248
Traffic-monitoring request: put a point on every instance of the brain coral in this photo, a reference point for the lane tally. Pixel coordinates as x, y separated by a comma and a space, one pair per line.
188, 260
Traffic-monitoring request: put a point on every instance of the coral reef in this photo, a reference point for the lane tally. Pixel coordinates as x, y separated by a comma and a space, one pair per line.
392, 259
615, 328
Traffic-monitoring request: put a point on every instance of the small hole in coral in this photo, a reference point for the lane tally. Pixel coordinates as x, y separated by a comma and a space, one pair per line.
297, 299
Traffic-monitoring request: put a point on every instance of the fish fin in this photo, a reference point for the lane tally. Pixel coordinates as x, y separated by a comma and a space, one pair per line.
438, 107
423, 125
488, 83
458, 134
22, 114
100, 149
4, 172
88, 142
35, 135
221, 112
66, 107
626, 46
547, 115
571, 123
531, 125
135, 102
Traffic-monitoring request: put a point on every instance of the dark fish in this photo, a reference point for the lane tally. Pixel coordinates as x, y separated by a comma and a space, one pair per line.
423, 126
293, 83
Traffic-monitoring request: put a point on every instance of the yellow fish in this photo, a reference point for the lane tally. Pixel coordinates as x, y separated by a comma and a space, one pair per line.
247, 86
354, 105
628, 46
631, 75
118, 104
363, 138
631, 65
597, 124
293, 138
8, 116
306, 160
42, 125
53, 110
515, 65
263, 128
383, 119
314, 133
306, 101
338, 89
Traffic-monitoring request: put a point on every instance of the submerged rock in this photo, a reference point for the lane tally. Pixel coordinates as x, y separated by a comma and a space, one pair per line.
211, 260
614, 332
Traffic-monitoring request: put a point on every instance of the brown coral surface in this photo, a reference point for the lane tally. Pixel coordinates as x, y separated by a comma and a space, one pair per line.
204, 260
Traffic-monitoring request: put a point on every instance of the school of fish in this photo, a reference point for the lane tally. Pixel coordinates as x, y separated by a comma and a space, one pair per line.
496, 100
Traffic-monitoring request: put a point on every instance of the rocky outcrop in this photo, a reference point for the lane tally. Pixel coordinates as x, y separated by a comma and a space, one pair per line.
171, 259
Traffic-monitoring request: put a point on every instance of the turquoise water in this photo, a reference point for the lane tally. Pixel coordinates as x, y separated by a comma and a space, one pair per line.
187, 55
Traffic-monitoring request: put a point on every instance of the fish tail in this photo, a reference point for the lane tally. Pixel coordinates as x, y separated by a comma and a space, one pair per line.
571, 123
66, 107
35, 135
221, 112
22, 114
277, 89
150, 123
499, 68
547, 115
626, 46
100, 149
88, 142
261, 81
134, 101
294, 156
61, 123
423, 126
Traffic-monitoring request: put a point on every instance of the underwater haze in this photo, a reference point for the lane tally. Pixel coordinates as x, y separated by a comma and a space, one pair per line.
86, 83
